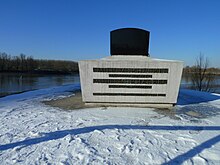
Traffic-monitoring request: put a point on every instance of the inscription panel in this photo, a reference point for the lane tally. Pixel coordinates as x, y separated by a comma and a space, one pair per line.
130, 81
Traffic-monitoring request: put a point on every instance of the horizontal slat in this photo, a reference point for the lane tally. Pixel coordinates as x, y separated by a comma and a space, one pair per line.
130, 86
132, 70
130, 75
130, 94
129, 81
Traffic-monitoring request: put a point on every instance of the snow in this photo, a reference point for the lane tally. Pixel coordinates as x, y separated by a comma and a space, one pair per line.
34, 133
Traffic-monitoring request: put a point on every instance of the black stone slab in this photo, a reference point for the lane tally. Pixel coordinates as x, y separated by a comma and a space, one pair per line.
129, 41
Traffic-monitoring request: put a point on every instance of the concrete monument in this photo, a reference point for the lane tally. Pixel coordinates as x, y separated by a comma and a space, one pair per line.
129, 76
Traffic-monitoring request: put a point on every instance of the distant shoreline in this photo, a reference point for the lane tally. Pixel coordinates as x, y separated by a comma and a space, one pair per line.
45, 72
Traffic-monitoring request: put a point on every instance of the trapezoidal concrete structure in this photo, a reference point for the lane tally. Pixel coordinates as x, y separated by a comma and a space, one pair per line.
132, 80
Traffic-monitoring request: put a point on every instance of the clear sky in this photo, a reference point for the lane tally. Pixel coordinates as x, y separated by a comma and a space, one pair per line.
80, 29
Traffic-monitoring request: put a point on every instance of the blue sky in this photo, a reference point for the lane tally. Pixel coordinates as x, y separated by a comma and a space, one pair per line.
80, 29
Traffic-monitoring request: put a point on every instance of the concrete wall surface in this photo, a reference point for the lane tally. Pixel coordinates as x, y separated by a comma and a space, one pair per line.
140, 80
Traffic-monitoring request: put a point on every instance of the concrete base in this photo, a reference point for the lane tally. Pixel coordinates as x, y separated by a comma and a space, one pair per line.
130, 105
131, 81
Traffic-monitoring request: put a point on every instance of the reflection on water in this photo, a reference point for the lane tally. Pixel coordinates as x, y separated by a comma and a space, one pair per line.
19, 82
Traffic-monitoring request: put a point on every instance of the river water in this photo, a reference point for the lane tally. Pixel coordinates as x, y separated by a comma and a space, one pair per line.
19, 82
186, 83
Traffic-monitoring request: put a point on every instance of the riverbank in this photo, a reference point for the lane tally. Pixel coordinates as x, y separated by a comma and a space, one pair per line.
14, 93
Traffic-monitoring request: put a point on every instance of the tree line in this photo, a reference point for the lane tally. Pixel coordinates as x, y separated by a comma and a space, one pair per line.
23, 63
193, 69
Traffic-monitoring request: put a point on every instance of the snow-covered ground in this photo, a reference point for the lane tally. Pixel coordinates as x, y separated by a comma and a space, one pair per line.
33, 133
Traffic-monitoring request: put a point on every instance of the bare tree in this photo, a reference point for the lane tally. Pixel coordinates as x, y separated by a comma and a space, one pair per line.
202, 80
